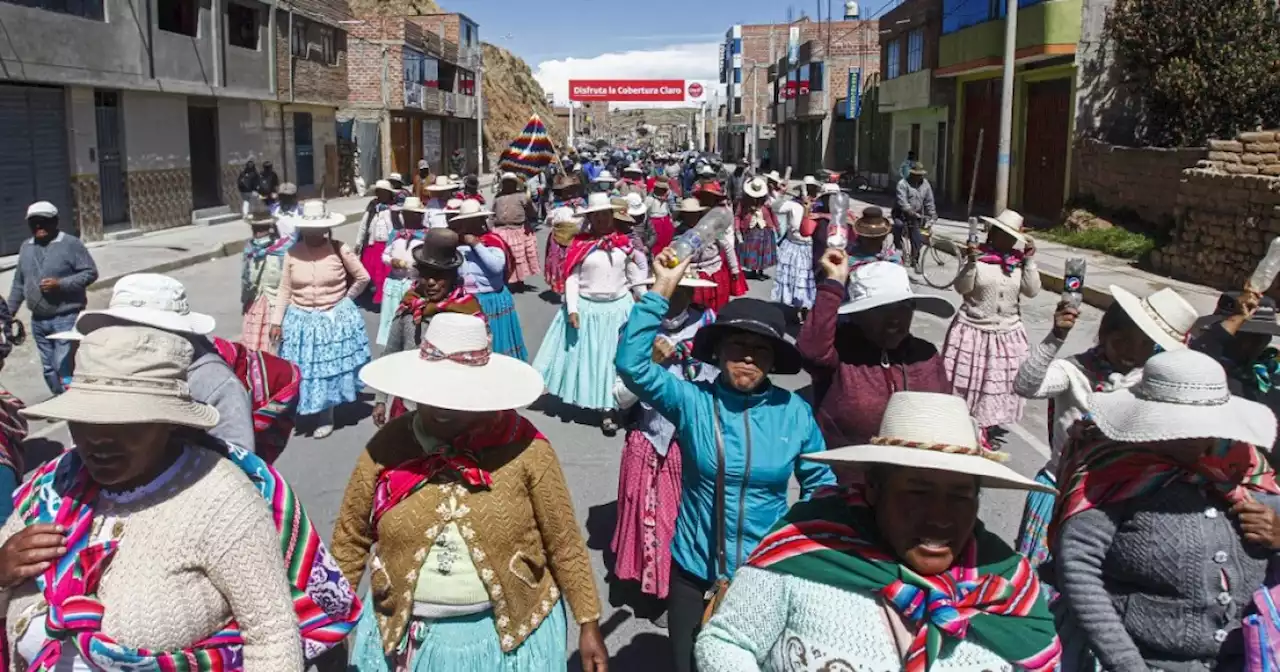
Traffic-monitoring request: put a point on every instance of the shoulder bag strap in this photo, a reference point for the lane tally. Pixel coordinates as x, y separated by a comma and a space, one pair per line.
722, 568
746, 480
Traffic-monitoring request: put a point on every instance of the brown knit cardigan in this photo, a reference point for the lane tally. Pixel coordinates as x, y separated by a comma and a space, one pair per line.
522, 533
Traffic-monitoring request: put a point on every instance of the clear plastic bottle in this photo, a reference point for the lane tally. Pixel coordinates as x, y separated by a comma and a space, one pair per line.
1073, 281
1265, 275
708, 229
836, 237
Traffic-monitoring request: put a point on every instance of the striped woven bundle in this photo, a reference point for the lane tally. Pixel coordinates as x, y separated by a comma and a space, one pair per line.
273, 384
530, 152
62, 492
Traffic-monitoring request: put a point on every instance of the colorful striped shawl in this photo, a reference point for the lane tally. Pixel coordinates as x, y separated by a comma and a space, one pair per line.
1099, 471
273, 384
62, 492
13, 431
991, 595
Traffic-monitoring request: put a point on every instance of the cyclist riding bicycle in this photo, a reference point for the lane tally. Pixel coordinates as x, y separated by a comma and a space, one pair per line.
913, 210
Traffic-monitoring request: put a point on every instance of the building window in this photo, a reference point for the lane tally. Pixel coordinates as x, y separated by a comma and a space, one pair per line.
448, 72
737, 105
178, 16
431, 73
737, 45
88, 9
817, 76
892, 56
466, 83
299, 38
915, 50
329, 44
737, 75
242, 26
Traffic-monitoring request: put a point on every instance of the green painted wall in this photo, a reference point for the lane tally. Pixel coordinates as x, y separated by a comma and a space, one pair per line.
1050, 22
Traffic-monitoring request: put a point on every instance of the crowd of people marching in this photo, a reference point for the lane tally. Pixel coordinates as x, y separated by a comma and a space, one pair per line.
166, 540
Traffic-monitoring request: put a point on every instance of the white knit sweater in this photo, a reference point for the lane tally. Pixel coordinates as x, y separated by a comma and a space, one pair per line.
191, 557
774, 622
991, 298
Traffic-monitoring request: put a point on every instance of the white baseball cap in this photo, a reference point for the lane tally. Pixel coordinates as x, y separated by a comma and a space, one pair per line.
42, 209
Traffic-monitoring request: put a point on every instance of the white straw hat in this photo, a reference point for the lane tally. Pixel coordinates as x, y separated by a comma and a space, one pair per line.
509, 176
605, 176
690, 205
773, 177
1183, 394
315, 215
395, 177
129, 374
471, 210
1009, 221
596, 202
452, 206
829, 188
880, 283
1164, 316
633, 168
810, 181
456, 369
635, 205
927, 430
148, 299
413, 204
383, 185
442, 183
756, 187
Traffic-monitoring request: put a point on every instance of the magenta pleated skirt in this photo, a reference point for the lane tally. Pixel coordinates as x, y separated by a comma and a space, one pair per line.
648, 501
371, 257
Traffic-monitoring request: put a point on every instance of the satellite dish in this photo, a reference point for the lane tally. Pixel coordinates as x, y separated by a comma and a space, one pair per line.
851, 9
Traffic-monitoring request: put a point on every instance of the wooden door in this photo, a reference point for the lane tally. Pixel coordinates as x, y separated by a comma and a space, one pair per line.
400, 145
981, 118
1044, 165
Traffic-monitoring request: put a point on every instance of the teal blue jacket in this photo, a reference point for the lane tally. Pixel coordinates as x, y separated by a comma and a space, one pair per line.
782, 429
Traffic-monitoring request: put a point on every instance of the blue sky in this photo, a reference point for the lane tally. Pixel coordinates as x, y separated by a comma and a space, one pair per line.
678, 39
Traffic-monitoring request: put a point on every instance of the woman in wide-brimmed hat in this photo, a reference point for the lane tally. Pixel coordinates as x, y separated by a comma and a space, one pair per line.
987, 341
629, 215
633, 181
486, 262
1166, 526
859, 350
515, 216
659, 230
316, 320
576, 355
1238, 334
461, 514
741, 438
565, 224
1131, 331
150, 544
793, 284
866, 245
758, 226
442, 190
649, 476
377, 226
897, 575
262, 261
717, 261
410, 228
437, 289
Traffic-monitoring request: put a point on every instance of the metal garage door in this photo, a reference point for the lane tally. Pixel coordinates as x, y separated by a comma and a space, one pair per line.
33, 159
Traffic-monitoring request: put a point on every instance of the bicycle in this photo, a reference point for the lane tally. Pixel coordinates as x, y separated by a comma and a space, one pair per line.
931, 263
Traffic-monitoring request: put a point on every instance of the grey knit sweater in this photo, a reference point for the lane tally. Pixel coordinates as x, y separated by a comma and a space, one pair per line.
64, 259
1159, 581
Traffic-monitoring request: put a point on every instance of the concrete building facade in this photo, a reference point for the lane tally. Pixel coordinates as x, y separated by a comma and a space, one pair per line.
150, 112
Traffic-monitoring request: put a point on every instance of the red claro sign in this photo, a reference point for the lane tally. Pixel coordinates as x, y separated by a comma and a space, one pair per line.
634, 90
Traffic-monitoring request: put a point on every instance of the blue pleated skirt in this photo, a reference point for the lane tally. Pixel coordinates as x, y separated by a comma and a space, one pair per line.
500, 309
464, 644
578, 363
393, 290
329, 348
1036, 514
793, 283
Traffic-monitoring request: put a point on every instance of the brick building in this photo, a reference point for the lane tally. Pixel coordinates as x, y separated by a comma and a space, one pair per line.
413, 85
139, 124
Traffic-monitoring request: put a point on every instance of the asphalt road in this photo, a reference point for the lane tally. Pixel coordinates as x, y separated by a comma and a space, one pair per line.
318, 470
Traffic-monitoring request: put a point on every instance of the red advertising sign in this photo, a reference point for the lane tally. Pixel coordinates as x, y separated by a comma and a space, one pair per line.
629, 90
792, 87
804, 87
695, 90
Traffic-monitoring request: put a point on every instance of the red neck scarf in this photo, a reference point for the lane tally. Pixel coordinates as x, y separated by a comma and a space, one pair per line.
583, 245
1009, 261
458, 301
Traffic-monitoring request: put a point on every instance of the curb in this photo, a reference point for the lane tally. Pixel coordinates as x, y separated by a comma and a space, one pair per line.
227, 249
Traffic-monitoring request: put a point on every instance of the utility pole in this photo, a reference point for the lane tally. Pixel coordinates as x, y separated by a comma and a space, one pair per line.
1006, 106
571, 145
480, 117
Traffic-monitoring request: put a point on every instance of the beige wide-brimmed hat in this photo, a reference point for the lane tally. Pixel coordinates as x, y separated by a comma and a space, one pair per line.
383, 185
1164, 316
620, 213
413, 204
148, 299
636, 206
130, 374
315, 215
756, 187
597, 202
605, 176
690, 205
455, 368
443, 183
1009, 221
471, 210
1182, 395
633, 168
927, 430
773, 177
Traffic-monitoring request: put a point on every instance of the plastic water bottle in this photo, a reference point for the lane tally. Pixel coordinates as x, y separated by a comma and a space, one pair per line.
974, 228
1073, 282
836, 239
708, 229
1265, 275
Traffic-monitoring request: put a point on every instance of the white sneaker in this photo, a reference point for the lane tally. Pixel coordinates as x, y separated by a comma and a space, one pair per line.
322, 432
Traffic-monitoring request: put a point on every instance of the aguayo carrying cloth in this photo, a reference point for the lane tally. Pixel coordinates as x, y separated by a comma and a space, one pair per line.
990, 595
62, 492
272, 383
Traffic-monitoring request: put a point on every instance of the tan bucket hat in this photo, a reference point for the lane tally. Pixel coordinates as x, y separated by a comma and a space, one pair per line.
129, 374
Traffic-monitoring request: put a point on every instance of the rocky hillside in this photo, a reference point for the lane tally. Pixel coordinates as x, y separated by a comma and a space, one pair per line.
510, 95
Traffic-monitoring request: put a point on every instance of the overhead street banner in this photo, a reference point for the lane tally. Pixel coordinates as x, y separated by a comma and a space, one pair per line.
636, 90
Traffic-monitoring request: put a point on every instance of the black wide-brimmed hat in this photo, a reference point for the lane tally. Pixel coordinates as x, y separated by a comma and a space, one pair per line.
1263, 320
439, 250
751, 316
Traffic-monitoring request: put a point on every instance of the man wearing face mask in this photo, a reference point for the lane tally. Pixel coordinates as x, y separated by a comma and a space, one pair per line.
53, 273
859, 350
